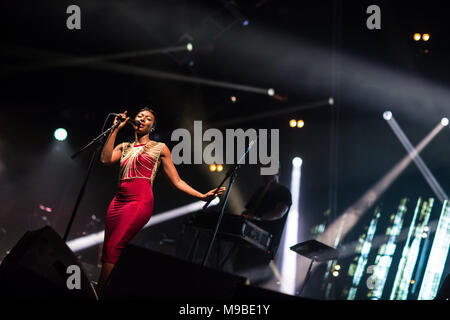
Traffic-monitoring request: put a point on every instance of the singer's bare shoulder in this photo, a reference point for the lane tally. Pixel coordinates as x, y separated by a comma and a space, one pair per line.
165, 152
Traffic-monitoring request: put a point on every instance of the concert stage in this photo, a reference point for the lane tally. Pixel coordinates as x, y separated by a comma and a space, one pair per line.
235, 154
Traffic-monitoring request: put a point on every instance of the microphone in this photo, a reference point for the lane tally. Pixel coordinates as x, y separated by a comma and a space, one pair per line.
121, 118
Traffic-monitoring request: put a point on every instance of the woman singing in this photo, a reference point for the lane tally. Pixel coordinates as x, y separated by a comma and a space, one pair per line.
132, 206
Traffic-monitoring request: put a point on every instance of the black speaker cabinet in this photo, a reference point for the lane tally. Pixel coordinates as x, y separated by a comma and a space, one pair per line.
38, 268
144, 274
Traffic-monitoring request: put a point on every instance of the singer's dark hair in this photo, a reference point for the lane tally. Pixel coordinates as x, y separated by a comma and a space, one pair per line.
154, 115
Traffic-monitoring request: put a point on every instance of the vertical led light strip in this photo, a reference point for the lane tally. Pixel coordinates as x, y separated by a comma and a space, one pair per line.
407, 262
419, 248
289, 260
362, 261
384, 258
438, 256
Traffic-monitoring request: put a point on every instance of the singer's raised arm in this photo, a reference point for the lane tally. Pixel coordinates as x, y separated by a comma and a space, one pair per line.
110, 154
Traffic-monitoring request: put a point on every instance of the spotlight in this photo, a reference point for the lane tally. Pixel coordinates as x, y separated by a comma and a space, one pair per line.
60, 134
219, 168
233, 99
387, 115
335, 274
212, 167
337, 267
417, 36
330, 101
300, 123
444, 122
425, 37
270, 92
245, 23
297, 162
189, 47
292, 123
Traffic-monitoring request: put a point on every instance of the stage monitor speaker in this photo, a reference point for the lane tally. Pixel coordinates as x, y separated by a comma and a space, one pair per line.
37, 268
444, 290
144, 274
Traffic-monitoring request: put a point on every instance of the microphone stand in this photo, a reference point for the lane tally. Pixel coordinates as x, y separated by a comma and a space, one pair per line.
99, 138
232, 173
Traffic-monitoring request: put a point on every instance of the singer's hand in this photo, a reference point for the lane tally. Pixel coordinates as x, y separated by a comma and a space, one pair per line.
124, 116
210, 194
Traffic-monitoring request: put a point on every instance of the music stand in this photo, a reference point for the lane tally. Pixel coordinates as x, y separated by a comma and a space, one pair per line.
316, 251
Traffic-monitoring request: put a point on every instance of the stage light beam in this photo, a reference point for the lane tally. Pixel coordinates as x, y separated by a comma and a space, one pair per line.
429, 177
103, 63
290, 235
93, 239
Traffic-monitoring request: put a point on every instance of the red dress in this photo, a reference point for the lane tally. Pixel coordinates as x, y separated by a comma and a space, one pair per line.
132, 207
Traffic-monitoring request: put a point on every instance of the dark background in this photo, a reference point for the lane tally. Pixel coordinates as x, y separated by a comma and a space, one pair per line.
306, 51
